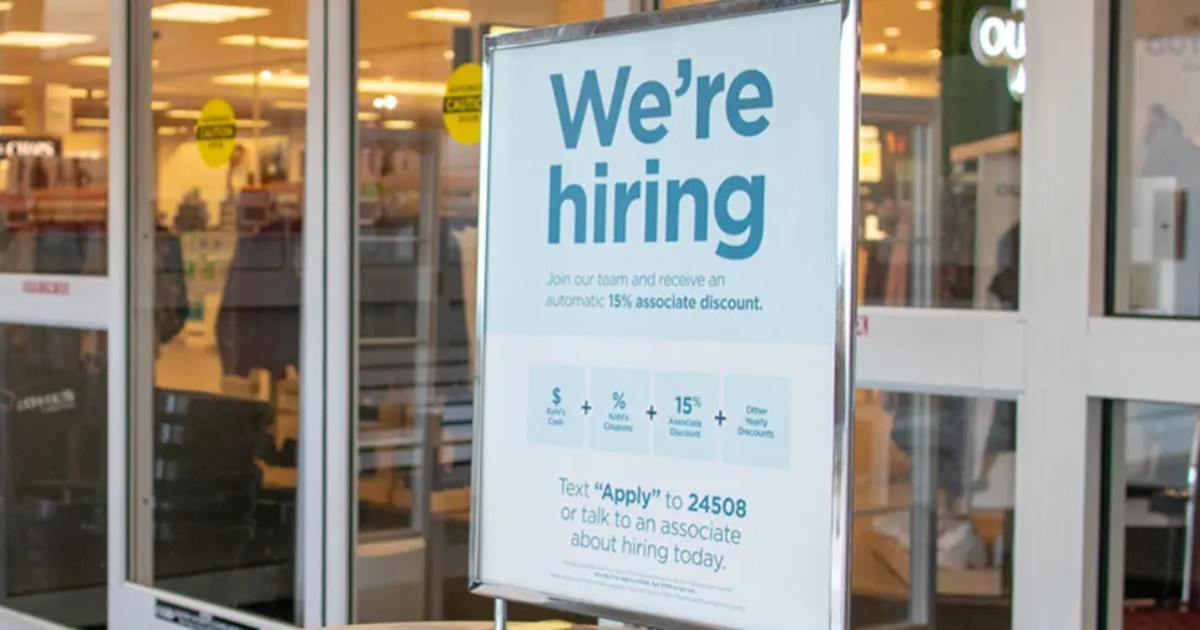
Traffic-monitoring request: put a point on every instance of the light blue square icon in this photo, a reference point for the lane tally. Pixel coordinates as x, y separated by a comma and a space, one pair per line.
556, 405
759, 410
686, 415
620, 420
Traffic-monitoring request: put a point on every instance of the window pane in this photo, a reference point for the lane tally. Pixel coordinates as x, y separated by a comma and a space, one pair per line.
933, 496
53, 431
228, 111
1153, 450
1157, 231
417, 215
940, 156
940, 160
53, 137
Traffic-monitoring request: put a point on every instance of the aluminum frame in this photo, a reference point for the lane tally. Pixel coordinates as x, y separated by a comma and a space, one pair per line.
849, 59
131, 591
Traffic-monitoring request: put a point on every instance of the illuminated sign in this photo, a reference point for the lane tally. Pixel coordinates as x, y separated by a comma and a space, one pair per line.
998, 41
18, 146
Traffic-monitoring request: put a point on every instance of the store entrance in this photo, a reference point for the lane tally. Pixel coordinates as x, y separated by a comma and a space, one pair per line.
219, 269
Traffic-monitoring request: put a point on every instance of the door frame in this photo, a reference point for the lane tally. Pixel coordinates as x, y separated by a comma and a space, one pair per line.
131, 224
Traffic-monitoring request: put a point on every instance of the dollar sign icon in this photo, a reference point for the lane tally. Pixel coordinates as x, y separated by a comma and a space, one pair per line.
557, 396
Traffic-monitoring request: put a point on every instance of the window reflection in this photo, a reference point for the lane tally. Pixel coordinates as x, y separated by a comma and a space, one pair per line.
934, 511
1155, 445
228, 100
53, 381
417, 215
53, 462
939, 163
1157, 232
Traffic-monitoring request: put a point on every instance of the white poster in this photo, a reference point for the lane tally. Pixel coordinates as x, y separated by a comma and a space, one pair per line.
661, 272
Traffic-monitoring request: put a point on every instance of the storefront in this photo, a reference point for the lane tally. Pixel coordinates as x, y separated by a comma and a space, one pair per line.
237, 261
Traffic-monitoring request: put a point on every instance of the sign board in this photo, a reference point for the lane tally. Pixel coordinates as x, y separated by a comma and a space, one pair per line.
998, 41
30, 147
666, 316
216, 132
194, 619
460, 106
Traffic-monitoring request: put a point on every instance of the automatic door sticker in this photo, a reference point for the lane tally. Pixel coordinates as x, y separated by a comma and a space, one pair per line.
462, 105
216, 132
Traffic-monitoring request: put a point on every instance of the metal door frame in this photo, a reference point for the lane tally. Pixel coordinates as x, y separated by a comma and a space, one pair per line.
131, 604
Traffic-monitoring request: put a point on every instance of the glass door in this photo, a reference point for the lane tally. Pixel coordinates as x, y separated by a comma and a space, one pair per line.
221, 272
414, 250
54, 282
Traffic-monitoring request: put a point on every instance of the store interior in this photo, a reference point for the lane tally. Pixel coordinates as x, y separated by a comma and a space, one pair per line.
940, 196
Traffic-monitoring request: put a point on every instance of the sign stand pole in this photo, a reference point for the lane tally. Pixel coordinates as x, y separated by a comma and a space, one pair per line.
501, 615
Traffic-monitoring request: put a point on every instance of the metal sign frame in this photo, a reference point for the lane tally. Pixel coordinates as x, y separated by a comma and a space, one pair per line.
847, 220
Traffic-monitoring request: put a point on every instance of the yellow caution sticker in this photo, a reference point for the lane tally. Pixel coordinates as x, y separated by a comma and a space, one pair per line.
462, 107
216, 132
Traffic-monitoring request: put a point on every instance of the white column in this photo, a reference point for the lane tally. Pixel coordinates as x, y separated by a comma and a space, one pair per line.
332, 283
1058, 446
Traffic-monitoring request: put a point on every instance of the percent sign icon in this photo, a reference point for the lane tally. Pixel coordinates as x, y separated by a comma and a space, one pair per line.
620, 300
619, 400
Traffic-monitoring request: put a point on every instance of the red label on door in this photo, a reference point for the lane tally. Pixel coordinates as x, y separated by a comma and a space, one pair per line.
46, 287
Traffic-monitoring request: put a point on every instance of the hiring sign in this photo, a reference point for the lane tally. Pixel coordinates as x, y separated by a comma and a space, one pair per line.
666, 316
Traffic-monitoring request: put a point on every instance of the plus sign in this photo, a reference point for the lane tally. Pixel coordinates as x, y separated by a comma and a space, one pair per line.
720, 418
651, 412
587, 408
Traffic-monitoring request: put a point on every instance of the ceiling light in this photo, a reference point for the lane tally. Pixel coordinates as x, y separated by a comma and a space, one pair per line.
168, 131
926, 5
6, 6
78, 92
99, 94
43, 39
253, 124
283, 81
407, 88
265, 41
184, 114
92, 61
92, 123
99, 61
364, 65
448, 55
366, 86
297, 106
399, 124
204, 13
935, 53
892, 32
875, 49
14, 79
500, 29
159, 106
368, 116
441, 14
